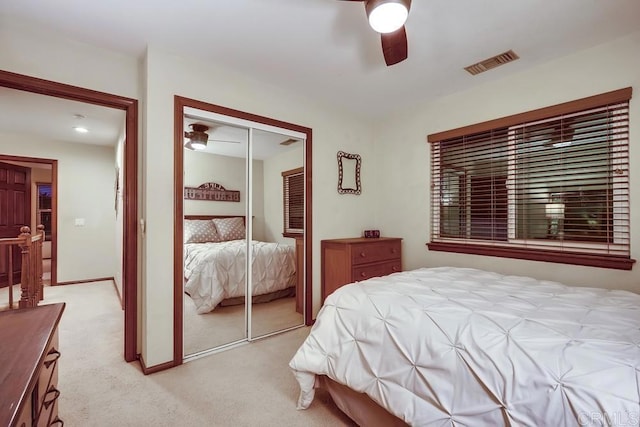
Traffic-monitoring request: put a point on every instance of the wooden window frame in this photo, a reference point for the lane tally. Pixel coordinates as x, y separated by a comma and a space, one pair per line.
500, 249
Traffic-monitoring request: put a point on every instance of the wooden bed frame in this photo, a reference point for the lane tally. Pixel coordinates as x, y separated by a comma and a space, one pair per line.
244, 218
358, 406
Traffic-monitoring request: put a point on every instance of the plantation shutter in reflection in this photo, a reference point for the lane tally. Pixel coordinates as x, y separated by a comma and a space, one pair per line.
537, 181
293, 190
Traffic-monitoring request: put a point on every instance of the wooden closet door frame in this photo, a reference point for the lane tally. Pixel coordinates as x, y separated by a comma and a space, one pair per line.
180, 103
130, 187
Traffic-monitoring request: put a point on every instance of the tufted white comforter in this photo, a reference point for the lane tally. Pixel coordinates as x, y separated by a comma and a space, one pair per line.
216, 271
464, 347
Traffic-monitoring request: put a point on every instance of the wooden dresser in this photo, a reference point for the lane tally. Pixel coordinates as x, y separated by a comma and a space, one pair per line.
350, 260
29, 366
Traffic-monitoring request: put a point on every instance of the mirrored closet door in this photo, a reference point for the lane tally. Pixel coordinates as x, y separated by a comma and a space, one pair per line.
214, 233
277, 250
243, 231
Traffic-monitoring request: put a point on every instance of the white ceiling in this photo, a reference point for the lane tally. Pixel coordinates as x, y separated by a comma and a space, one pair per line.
325, 50
54, 118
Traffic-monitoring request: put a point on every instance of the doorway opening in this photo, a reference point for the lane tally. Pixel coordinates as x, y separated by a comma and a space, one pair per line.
129, 189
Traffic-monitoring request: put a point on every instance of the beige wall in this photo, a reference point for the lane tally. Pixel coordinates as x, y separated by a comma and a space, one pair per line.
406, 176
85, 190
334, 215
230, 172
28, 48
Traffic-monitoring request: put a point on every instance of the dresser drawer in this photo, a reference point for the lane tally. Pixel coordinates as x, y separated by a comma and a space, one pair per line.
49, 410
357, 258
376, 270
373, 252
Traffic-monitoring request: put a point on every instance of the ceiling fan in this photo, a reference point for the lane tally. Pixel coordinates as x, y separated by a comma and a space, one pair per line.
198, 137
387, 17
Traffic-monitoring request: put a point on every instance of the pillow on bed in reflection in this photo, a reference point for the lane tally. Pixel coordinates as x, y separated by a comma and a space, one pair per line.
230, 228
200, 231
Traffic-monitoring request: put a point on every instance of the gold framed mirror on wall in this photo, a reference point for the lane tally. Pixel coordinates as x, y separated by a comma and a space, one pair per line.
230, 236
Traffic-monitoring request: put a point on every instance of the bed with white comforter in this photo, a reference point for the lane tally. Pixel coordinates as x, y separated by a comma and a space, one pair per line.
459, 346
216, 271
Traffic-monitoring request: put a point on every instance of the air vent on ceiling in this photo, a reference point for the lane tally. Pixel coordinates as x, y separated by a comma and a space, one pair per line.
492, 62
289, 141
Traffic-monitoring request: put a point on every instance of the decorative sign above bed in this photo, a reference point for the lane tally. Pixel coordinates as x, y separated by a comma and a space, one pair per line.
211, 191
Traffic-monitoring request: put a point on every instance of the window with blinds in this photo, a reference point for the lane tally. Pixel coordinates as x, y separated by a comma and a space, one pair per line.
293, 191
43, 208
550, 185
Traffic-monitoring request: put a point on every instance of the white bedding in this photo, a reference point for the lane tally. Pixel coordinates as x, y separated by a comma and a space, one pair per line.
216, 271
452, 346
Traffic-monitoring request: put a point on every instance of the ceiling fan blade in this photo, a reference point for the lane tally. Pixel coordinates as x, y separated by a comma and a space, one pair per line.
394, 46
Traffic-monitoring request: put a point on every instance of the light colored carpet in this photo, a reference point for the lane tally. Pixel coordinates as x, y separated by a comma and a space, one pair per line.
227, 324
250, 385
4, 297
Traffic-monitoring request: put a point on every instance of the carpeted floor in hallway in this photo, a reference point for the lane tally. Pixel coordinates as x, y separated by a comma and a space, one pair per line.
250, 385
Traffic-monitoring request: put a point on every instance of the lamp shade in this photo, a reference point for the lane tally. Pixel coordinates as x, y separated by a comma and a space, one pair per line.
554, 210
387, 16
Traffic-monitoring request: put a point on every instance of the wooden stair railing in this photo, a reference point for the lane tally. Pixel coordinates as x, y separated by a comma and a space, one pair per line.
31, 286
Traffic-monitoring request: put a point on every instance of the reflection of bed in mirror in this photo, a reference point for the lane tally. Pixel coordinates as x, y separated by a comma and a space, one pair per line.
215, 263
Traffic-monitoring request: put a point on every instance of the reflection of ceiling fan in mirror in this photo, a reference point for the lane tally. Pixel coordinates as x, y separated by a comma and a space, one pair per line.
198, 137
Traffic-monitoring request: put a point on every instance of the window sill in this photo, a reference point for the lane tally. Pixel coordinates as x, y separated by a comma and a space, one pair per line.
592, 260
293, 235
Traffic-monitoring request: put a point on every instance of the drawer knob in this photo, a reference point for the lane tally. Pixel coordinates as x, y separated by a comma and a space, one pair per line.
52, 357
57, 422
362, 254
393, 250
363, 274
394, 268
50, 397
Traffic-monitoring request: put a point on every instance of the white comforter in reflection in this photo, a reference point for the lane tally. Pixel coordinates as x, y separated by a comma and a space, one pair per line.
216, 271
464, 347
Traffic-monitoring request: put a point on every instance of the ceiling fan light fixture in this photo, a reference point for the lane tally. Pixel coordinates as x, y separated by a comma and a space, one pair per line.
198, 145
197, 138
387, 16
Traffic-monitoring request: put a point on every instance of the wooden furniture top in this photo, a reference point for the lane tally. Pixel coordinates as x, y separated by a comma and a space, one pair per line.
25, 335
361, 240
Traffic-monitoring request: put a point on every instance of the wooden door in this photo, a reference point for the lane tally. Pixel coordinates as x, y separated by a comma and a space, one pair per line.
15, 212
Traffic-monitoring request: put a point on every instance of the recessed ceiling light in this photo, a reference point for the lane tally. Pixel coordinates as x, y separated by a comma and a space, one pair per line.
80, 129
